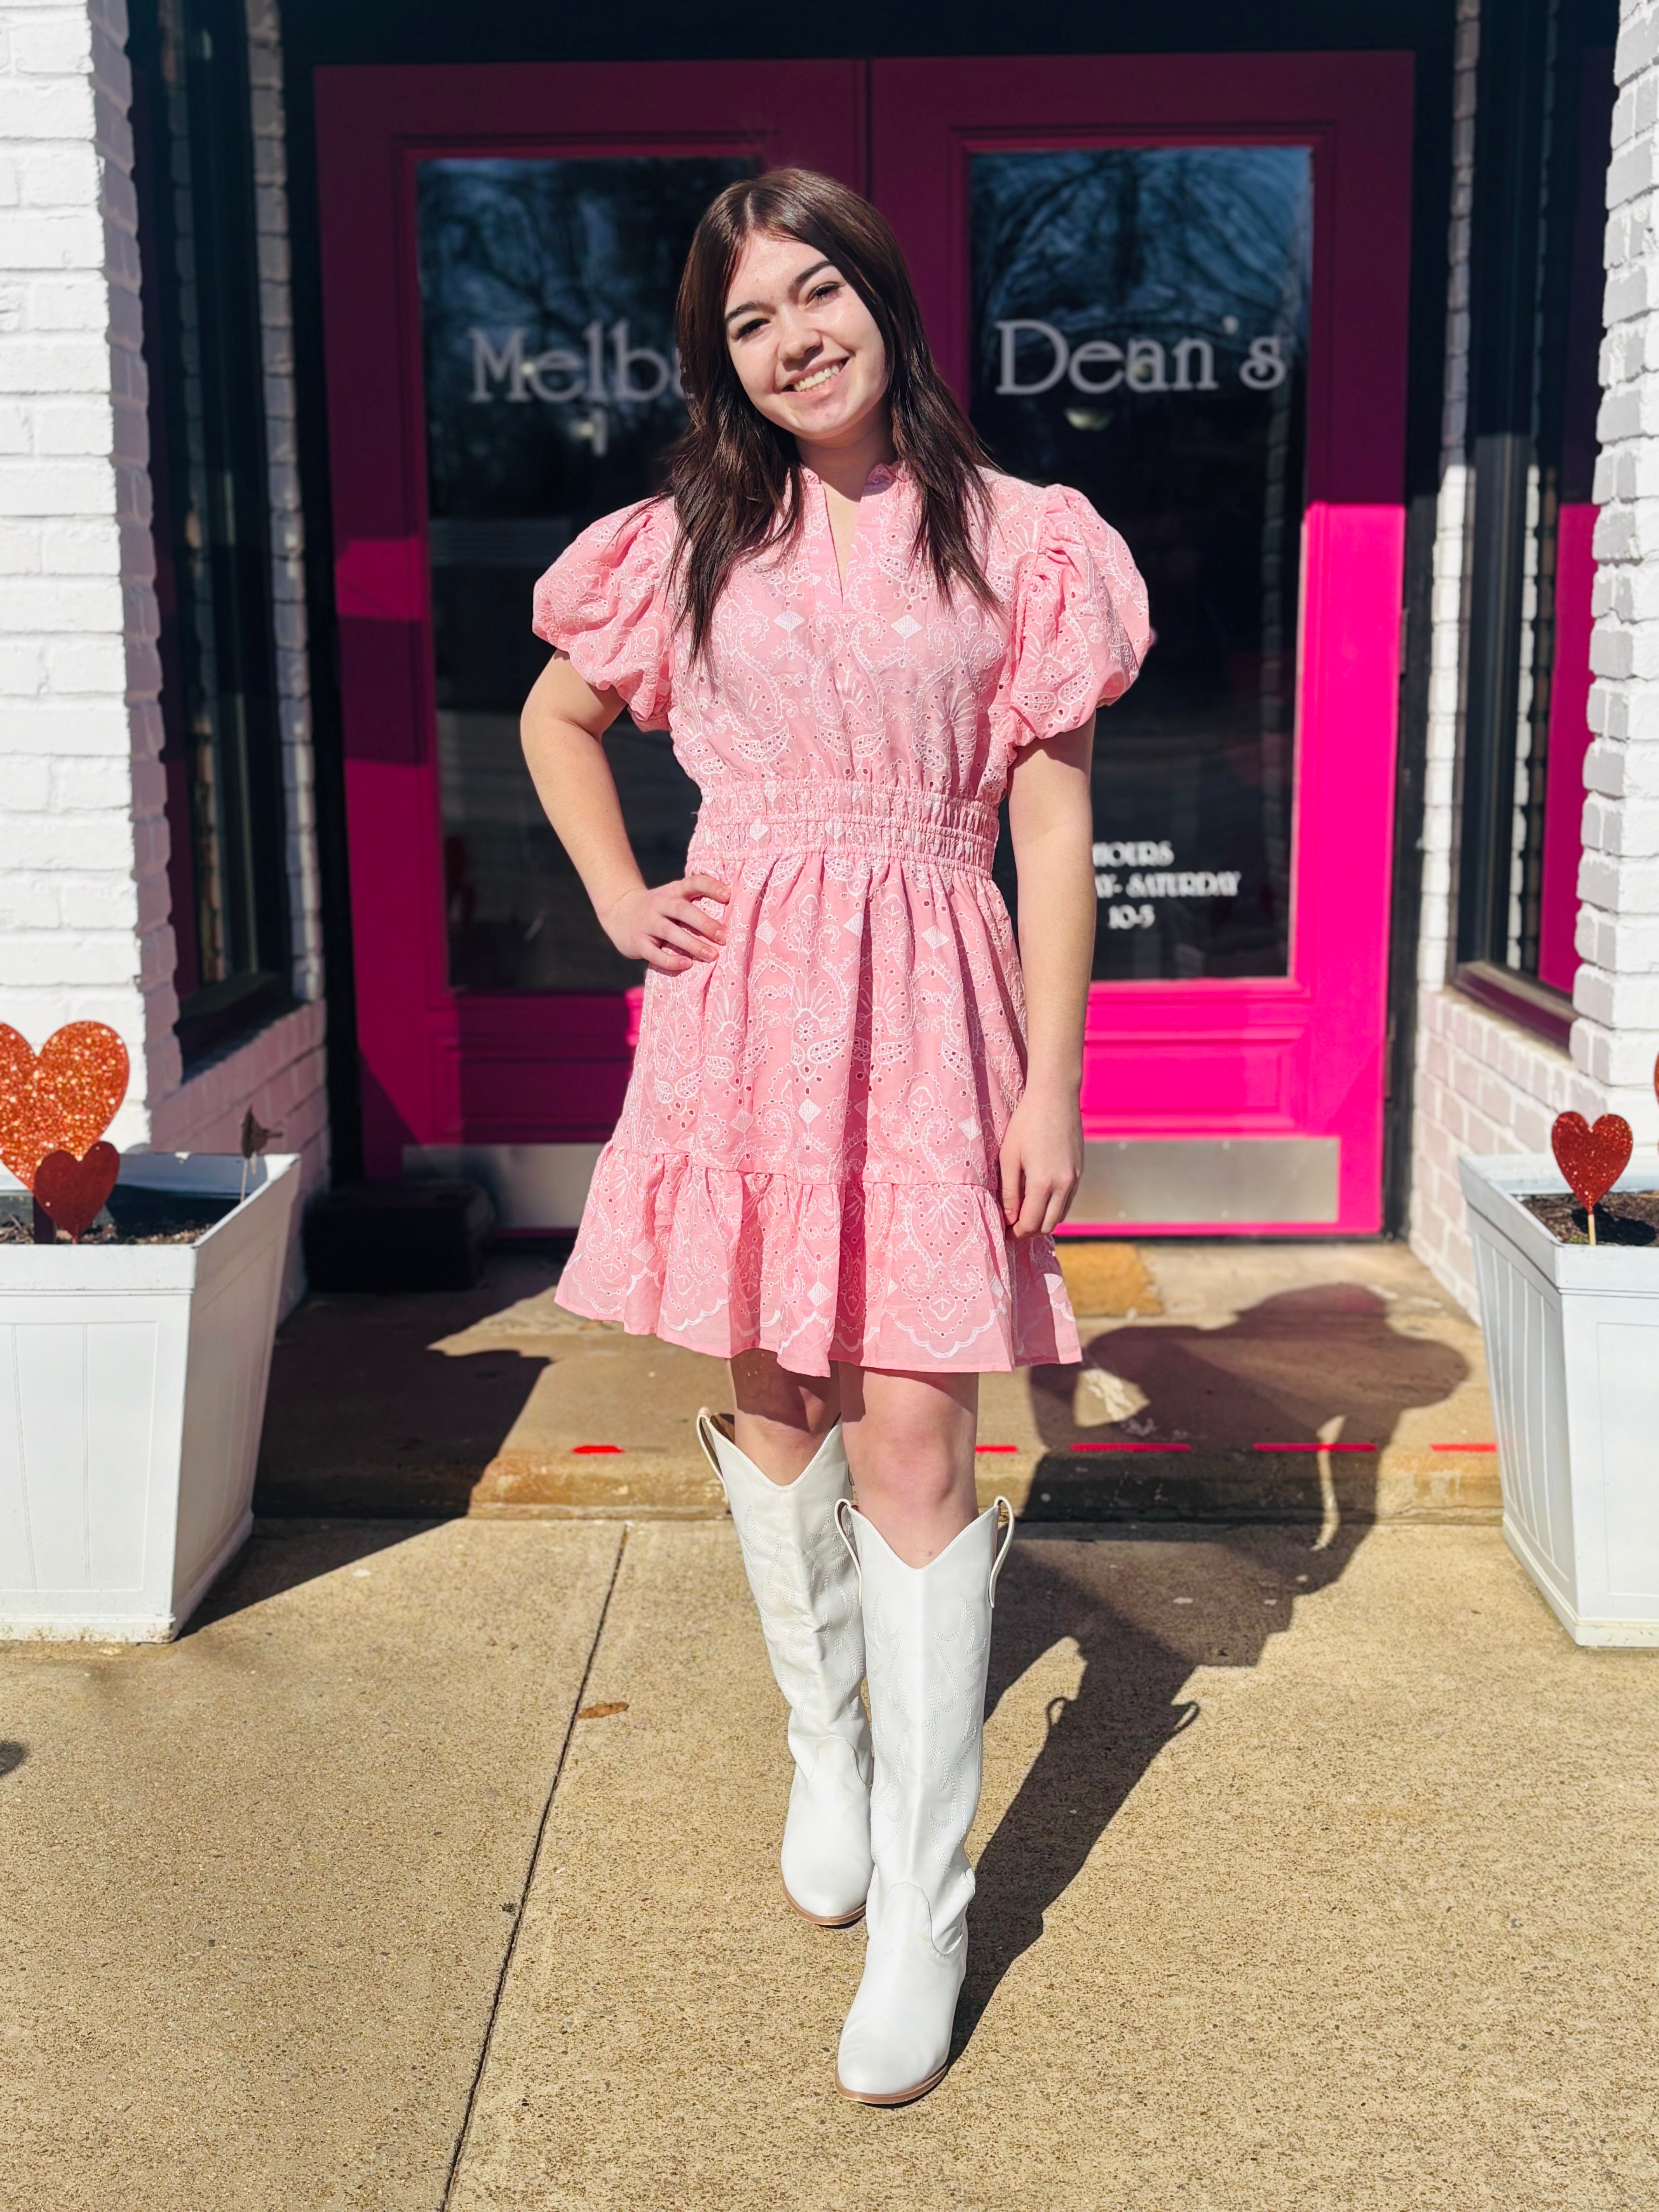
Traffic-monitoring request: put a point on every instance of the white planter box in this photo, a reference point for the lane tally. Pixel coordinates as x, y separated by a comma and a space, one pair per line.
132, 1389
1572, 1345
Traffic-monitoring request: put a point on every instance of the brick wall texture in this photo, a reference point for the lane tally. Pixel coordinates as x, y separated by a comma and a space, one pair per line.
1484, 1085
84, 924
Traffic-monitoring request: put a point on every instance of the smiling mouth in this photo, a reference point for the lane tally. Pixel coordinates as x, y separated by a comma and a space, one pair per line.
819, 377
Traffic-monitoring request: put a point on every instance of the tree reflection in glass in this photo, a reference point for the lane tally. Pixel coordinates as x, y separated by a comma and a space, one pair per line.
552, 395
1139, 330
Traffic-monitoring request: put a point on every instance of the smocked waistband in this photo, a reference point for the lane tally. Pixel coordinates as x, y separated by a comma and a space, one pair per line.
794, 815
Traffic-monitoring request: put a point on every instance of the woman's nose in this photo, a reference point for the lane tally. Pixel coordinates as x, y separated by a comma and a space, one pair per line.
796, 336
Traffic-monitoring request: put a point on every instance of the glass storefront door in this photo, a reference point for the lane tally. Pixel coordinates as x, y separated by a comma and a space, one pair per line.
502, 250
1139, 329
552, 393
1179, 286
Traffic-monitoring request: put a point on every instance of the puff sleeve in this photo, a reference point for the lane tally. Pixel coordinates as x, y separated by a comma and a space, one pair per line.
1079, 630
604, 603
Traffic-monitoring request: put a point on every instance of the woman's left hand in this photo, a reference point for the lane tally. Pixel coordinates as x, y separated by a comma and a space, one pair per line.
1041, 1162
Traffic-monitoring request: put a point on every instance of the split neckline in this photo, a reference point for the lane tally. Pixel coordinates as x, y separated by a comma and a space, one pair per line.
881, 478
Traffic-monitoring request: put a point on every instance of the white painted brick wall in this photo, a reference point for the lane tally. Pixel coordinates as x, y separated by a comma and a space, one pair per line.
83, 933
1616, 1037
84, 912
1484, 1085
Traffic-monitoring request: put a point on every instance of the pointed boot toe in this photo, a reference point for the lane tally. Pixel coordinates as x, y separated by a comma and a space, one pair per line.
927, 1641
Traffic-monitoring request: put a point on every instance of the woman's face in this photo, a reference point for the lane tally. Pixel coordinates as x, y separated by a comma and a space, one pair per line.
805, 347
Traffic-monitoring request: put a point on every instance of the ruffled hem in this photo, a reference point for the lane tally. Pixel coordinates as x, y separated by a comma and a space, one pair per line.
911, 1277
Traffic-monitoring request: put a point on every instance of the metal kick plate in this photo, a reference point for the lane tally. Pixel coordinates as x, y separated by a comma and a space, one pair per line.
1280, 1180
1288, 1180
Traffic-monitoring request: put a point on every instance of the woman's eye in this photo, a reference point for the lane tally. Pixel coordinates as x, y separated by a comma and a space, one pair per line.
747, 330
826, 291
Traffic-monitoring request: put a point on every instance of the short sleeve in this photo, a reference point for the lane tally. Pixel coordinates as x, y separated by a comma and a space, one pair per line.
1079, 630
604, 603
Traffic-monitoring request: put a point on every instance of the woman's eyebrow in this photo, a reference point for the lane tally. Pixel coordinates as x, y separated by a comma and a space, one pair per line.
758, 307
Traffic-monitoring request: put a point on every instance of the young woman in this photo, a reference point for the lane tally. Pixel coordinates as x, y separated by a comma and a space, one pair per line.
847, 1141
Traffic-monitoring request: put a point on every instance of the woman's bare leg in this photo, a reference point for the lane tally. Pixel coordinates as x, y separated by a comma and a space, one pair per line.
782, 1418
910, 1446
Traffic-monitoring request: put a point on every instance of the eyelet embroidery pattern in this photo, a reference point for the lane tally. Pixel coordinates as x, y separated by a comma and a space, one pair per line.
807, 1155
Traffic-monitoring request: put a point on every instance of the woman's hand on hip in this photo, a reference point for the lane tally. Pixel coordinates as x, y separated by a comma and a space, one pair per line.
662, 925
1041, 1162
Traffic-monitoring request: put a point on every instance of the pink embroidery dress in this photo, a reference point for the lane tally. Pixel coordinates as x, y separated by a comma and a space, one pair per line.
807, 1155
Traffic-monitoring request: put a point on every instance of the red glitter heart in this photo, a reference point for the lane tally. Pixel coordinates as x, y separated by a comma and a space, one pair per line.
72, 1191
1592, 1160
60, 1099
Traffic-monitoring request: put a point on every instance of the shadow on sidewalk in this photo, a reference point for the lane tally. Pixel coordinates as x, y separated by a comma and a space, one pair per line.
1147, 1603
371, 1414
1319, 1364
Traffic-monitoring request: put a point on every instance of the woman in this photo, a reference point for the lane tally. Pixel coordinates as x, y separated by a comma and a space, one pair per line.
845, 1146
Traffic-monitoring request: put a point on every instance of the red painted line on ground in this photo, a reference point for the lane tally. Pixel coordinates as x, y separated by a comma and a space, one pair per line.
980, 1448
1462, 1448
1142, 1448
596, 1448
1314, 1448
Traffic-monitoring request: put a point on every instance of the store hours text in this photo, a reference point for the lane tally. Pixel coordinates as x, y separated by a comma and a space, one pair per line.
1148, 875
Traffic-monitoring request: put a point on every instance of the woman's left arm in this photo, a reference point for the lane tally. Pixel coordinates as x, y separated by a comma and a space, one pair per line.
1051, 818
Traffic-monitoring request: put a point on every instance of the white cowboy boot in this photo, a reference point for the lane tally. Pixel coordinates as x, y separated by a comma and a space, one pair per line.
927, 1644
806, 1588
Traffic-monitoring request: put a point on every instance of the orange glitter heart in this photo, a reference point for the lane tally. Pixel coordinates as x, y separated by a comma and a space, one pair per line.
60, 1099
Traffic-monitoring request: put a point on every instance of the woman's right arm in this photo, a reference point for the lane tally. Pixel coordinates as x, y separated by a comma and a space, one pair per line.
562, 726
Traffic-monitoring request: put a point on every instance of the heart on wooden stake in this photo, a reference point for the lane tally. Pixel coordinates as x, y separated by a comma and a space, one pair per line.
60, 1099
1592, 1160
74, 1191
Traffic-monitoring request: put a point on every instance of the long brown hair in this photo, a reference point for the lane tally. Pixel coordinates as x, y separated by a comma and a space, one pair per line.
735, 477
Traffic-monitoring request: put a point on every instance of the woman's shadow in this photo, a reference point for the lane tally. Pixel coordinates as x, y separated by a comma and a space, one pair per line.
1287, 1370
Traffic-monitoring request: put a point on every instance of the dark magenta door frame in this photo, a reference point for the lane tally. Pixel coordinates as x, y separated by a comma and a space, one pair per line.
441, 1067
1300, 1055
1297, 1057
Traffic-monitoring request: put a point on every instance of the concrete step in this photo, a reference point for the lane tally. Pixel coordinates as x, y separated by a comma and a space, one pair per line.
1309, 1381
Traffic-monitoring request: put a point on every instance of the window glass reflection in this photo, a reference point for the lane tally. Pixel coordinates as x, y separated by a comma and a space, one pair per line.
1139, 330
552, 395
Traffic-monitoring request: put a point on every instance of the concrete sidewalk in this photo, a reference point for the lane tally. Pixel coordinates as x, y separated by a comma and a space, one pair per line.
1311, 1876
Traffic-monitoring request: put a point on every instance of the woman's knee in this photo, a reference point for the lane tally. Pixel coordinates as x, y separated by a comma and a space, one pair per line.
769, 1393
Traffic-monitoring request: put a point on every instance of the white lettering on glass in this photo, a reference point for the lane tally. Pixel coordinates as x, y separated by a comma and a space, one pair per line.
1265, 365
1144, 369
555, 363
1139, 364
1164, 882
624, 355
639, 374
1051, 376
505, 366
1184, 352
1158, 856
1085, 356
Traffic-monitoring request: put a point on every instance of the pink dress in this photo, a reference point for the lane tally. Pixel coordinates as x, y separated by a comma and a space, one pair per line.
807, 1155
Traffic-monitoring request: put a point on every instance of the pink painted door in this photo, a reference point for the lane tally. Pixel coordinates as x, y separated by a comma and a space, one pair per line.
501, 249
1181, 285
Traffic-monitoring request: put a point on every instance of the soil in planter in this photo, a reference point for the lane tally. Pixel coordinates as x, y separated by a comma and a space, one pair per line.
1623, 1218
133, 1216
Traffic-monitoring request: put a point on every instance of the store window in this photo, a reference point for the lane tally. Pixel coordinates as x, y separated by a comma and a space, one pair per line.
1140, 330
194, 173
553, 397
1543, 106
